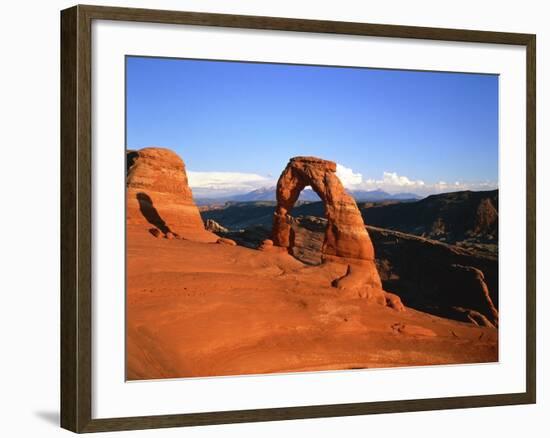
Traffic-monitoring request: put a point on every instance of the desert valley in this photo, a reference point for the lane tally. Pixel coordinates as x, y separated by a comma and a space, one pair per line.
291, 284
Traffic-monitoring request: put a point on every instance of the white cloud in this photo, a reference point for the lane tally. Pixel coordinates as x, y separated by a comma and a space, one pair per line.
392, 182
226, 182
393, 179
347, 176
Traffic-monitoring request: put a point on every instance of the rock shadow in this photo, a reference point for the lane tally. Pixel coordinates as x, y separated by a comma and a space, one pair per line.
150, 213
131, 157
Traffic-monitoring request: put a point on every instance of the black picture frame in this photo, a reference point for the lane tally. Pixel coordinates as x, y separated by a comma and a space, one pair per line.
76, 218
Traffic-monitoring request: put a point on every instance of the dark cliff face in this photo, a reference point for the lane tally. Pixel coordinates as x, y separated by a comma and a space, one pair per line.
437, 277
451, 217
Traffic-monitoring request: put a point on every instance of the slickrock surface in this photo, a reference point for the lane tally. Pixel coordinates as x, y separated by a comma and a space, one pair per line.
204, 309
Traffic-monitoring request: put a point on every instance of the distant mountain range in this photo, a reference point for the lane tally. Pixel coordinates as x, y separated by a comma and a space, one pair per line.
269, 194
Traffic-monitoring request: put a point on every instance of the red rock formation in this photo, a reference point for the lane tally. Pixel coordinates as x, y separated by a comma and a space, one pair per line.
158, 194
486, 219
346, 239
266, 245
226, 241
345, 235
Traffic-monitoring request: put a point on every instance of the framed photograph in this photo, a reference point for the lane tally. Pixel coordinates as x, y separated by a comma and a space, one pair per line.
270, 218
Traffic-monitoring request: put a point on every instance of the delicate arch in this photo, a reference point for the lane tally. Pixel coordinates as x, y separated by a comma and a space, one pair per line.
345, 236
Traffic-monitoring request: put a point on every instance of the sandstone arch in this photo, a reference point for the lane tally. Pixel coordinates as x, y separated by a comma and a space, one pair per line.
345, 236
346, 239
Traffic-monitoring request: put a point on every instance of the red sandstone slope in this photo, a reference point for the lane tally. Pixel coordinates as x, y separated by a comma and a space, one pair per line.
198, 309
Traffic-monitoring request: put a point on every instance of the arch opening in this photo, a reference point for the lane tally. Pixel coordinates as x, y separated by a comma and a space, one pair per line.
308, 223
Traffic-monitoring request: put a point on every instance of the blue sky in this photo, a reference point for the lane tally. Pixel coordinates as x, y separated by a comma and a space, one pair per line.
236, 124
